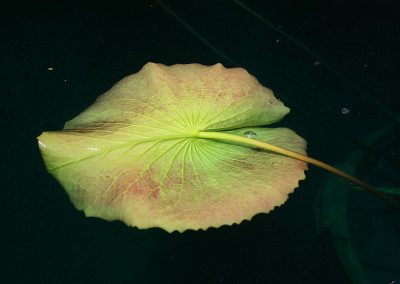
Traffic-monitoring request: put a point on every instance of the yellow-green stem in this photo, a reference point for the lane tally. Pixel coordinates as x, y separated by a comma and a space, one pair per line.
276, 149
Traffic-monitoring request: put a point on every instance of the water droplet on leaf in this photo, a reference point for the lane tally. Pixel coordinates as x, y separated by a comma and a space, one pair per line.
250, 134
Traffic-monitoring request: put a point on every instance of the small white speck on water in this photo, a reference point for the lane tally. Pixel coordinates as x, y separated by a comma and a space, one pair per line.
345, 110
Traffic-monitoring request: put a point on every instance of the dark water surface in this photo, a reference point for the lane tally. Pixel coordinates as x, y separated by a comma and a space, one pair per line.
92, 45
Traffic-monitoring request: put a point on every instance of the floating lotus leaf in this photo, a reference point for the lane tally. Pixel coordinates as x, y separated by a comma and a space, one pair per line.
135, 155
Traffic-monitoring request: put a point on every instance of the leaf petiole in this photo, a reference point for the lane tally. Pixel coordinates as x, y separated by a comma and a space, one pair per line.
276, 149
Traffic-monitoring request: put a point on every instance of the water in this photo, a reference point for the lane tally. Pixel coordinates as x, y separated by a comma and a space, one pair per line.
250, 134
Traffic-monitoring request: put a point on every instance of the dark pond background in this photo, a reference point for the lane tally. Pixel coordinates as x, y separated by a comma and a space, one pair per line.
93, 44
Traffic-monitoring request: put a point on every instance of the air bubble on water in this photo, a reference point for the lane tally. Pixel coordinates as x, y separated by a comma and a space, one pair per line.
250, 134
346, 110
